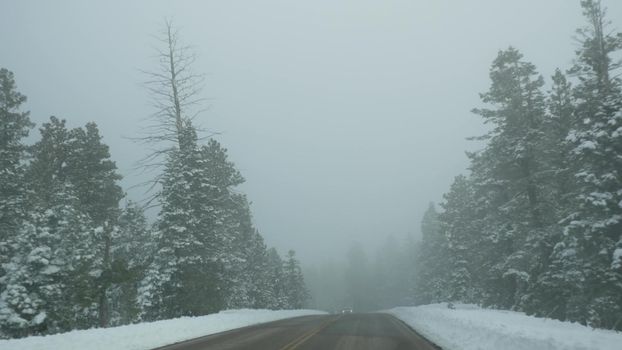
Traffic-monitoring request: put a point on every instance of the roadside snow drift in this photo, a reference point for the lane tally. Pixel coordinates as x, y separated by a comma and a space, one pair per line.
468, 327
149, 335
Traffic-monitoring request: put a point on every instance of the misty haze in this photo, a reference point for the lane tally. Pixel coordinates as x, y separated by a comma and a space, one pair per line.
311, 175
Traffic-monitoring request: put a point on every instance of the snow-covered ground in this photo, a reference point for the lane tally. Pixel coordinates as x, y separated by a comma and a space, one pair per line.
468, 327
151, 334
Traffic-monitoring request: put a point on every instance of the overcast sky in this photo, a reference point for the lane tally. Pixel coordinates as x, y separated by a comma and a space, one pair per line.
345, 117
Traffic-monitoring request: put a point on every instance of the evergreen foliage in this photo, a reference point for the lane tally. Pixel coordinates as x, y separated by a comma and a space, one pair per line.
536, 225
73, 259
430, 255
296, 292
14, 126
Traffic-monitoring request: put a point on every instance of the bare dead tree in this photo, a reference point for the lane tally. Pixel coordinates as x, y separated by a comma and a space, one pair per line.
175, 91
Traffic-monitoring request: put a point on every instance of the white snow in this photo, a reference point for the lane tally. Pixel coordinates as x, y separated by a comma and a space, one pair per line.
151, 334
40, 317
468, 327
50, 270
586, 145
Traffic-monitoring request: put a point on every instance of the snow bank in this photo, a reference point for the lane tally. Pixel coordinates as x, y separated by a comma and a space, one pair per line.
152, 334
468, 327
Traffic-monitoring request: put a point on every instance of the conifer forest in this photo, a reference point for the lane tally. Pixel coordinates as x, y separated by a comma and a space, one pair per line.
533, 224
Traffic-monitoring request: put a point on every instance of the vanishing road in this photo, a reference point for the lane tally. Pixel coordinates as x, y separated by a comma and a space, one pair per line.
325, 332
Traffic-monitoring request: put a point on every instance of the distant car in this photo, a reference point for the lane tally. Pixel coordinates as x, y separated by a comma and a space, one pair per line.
346, 311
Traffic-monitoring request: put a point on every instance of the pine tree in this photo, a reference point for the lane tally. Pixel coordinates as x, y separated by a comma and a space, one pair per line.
183, 253
256, 271
132, 251
14, 126
246, 257
507, 176
549, 292
197, 227
94, 177
175, 93
458, 223
275, 276
205, 237
49, 271
542, 205
74, 192
560, 120
54, 260
592, 232
296, 291
431, 264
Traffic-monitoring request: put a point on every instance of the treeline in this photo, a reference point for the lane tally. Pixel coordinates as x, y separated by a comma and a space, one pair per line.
72, 257
536, 226
366, 282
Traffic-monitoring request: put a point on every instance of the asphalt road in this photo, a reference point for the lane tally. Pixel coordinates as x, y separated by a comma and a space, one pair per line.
326, 332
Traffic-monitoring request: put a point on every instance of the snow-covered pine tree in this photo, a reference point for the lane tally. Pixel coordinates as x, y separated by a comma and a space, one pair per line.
295, 290
94, 177
458, 223
132, 251
77, 161
49, 270
202, 221
179, 249
506, 176
226, 217
196, 228
242, 267
261, 288
549, 292
185, 259
14, 126
54, 254
558, 123
275, 278
592, 244
432, 266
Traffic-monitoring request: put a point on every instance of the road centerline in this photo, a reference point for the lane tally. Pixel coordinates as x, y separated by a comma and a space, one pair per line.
306, 336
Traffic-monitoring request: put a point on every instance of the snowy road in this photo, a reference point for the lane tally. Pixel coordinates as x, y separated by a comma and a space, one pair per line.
351, 331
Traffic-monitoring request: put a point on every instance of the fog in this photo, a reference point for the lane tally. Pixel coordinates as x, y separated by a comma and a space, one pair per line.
345, 117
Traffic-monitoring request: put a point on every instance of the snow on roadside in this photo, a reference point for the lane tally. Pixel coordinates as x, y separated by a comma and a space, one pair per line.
149, 335
468, 327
